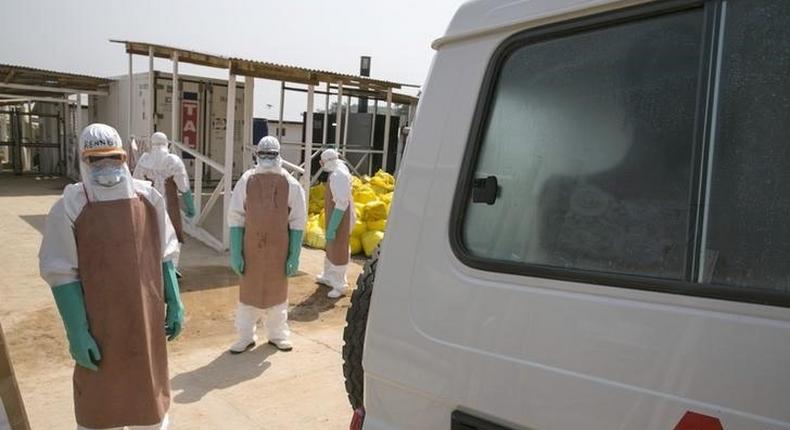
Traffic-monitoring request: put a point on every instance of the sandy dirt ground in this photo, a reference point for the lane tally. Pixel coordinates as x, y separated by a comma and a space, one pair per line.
261, 389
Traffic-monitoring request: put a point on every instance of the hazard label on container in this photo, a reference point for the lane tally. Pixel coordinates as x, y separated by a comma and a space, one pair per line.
189, 123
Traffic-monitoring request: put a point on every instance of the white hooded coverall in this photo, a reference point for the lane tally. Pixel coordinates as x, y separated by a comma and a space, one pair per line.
276, 316
58, 256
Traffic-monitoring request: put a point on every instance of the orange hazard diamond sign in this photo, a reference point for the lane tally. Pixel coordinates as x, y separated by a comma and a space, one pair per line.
695, 421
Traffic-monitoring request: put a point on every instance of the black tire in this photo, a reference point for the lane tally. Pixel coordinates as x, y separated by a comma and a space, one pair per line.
354, 333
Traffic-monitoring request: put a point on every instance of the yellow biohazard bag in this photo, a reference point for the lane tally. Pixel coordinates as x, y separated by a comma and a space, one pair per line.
371, 240
375, 211
359, 229
355, 244
379, 225
364, 195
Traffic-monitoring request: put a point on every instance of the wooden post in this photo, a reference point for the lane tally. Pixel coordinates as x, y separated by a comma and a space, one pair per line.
308, 144
345, 126
230, 119
282, 111
249, 91
338, 114
129, 134
386, 145
198, 187
10, 399
151, 94
175, 130
326, 116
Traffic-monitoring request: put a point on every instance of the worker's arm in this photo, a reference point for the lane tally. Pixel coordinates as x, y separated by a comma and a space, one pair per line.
174, 315
181, 178
340, 184
236, 221
71, 306
140, 171
58, 266
297, 218
170, 249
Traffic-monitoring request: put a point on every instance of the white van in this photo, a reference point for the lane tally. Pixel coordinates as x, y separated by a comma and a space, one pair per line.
591, 229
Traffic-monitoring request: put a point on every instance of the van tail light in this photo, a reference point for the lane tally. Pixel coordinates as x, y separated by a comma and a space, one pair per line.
358, 419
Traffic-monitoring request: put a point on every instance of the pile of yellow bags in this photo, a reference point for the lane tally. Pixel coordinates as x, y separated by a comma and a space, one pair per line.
372, 199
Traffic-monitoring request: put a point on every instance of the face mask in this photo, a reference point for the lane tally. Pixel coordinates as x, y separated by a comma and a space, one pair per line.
268, 161
330, 165
159, 148
107, 175
267, 164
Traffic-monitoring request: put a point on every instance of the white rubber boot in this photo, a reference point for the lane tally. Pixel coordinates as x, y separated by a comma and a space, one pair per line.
242, 345
281, 344
337, 293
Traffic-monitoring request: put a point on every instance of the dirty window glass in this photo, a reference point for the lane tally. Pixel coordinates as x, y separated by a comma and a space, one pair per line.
590, 138
748, 230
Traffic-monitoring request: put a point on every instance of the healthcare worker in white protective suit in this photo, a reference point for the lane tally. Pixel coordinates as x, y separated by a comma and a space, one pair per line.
267, 217
107, 253
340, 216
169, 176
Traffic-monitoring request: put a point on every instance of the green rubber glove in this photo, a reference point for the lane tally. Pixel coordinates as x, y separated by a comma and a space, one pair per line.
189, 202
334, 223
174, 317
294, 249
71, 305
236, 246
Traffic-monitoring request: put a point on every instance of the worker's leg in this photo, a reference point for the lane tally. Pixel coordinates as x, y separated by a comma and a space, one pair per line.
335, 277
246, 325
164, 425
323, 276
277, 327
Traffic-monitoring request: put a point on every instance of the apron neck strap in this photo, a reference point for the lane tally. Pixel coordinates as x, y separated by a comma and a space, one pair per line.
85, 189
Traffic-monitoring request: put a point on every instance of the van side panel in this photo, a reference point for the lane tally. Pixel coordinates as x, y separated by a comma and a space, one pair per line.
544, 354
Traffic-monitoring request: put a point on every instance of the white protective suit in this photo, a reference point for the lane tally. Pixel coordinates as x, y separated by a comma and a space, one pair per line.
58, 253
58, 261
159, 164
339, 181
247, 316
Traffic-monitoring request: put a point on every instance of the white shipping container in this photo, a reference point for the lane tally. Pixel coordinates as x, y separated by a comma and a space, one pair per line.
208, 96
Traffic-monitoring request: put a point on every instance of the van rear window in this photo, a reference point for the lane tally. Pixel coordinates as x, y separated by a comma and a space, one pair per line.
649, 152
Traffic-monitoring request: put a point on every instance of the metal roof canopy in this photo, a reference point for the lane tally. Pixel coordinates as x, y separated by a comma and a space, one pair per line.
397, 98
353, 86
32, 82
260, 69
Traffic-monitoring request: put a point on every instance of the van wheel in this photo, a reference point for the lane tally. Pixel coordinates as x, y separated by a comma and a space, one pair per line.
354, 333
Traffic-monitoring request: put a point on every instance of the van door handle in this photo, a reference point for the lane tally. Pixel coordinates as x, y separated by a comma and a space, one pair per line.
485, 190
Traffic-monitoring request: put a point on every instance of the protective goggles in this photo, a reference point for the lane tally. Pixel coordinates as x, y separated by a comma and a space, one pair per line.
268, 155
110, 158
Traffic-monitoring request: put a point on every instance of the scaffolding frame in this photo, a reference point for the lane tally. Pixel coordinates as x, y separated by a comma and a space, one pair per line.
342, 84
21, 85
338, 91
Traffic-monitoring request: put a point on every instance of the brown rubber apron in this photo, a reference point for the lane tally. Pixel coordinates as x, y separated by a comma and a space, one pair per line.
264, 283
337, 251
120, 266
173, 208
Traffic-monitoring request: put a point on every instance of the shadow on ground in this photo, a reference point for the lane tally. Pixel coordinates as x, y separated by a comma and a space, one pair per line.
224, 371
36, 221
200, 278
311, 307
31, 185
